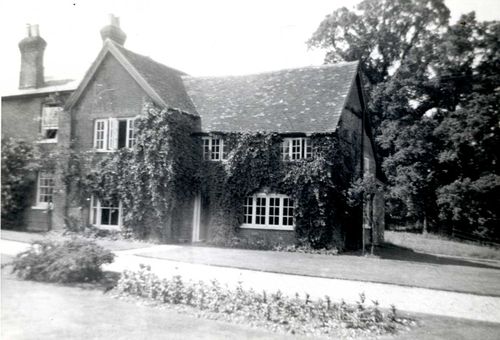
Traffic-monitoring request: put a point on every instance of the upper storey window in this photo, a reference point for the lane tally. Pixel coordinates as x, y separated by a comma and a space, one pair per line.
296, 148
50, 122
214, 149
112, 134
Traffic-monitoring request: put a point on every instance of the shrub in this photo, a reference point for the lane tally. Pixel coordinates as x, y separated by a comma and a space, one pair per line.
74, 260
305, 249
17, 164
275, 311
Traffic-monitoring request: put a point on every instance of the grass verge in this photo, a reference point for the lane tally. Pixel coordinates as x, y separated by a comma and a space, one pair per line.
435, 244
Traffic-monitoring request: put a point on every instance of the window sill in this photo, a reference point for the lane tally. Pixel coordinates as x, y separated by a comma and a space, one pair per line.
107, 227
40, 207
47, 141
267, 227
104, 151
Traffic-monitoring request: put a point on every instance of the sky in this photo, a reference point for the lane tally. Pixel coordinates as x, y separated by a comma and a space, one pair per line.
201, 38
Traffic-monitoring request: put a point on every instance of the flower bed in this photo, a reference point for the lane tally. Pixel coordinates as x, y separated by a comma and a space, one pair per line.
274, 311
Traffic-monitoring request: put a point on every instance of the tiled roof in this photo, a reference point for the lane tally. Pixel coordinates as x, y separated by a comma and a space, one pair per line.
165, 80
308, 99
48, 87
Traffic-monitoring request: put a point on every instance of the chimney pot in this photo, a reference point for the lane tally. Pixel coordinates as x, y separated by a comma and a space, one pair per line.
35, 32
113, 31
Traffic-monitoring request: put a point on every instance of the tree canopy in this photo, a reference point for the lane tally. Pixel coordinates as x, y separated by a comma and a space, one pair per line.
433, 91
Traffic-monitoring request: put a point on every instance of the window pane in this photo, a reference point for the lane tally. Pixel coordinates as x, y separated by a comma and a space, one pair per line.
287, 212
206, 149
107, 213
260, 212
224, 149
274, 210
296, 148
216, 151
100, 130
49, 125
105, 218
285, 149
131, 133
248, 210
122, 133
45, 187
114, 215
308, 143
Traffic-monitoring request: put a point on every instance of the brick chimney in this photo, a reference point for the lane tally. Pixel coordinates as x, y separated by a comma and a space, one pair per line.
32, 48
113, 31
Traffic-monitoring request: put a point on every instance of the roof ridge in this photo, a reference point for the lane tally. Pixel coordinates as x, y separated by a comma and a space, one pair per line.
181, 73
309, 67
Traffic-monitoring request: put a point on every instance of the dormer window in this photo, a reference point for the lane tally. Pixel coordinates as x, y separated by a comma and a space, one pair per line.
50, 122
214, 149
296, 148
112, 134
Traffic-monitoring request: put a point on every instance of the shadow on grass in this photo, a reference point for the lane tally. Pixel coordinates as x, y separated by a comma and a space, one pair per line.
106, 283
390, 251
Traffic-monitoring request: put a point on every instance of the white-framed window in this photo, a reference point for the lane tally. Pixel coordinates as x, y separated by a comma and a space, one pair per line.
268, 211
113, 133
296, 148
214, 149
105, 213
45, 189
49, 125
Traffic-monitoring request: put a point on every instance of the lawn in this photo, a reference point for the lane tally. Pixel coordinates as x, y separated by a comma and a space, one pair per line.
394, 266
33, 310
435, 244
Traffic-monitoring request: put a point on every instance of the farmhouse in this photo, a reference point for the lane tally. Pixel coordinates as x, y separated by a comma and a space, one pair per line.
312, 118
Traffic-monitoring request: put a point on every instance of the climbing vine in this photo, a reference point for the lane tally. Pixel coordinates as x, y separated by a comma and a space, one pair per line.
165, 170
154, 178
317, 185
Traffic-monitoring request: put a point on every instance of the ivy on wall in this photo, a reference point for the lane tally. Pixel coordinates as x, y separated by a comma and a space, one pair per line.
156, 176
165, 170
318, 186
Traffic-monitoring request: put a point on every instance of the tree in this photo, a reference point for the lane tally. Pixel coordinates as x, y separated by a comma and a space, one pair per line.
431, 87
469, 156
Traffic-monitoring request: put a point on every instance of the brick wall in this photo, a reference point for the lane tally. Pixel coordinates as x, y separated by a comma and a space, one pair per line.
269, 238
21, 116
113, 93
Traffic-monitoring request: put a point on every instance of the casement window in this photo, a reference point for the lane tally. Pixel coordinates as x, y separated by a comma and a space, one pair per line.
45, 189
268, 211
50, 122
105, 213
296, 148
214, 149
112, 133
